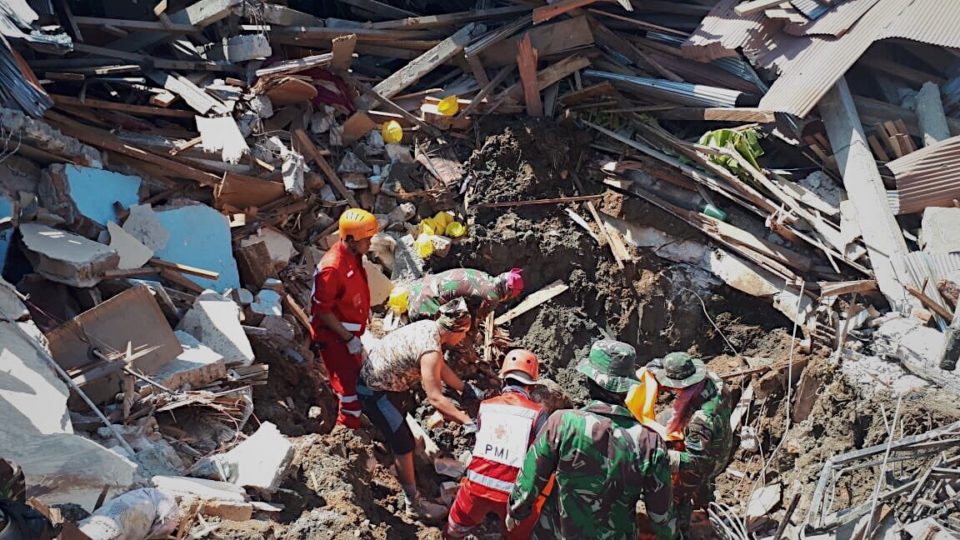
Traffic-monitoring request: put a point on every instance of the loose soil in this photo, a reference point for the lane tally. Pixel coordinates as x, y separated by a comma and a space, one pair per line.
342, 485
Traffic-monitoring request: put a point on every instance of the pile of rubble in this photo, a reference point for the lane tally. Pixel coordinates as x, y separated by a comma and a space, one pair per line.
170, 176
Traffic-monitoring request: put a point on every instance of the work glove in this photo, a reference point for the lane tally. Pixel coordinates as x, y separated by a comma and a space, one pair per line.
472, 392
470, 428
354, 346
510, 522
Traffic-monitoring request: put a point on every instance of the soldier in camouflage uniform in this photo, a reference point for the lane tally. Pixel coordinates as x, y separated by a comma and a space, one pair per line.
597, 462
703, 415
481, 291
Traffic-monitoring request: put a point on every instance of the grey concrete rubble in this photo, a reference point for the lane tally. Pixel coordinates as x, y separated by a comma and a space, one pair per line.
65, 257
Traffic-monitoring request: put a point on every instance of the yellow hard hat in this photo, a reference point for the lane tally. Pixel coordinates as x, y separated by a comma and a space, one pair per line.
442, 219
448, 106
455, 230
392, 132
424, 245
358, 224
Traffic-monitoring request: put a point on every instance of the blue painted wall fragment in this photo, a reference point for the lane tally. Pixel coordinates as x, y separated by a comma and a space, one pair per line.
6, 211
95, 190
200, 237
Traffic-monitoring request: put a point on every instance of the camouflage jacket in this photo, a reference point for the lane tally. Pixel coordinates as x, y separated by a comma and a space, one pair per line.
604, 462
481, 291
708, 437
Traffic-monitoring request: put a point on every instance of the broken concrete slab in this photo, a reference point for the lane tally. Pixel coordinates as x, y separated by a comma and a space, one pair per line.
130, 319
279, 247
84, 197
197, 366
223, 135
65, 257
183, 486
261, 461
278, 328
917, 347
865, 372
132, 252
214, 320
199, 237
227, 510
143, 224
46, 137
141, 513
938, 230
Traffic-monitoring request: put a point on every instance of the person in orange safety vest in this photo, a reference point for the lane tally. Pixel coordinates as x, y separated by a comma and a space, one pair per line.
508, 424
341, 308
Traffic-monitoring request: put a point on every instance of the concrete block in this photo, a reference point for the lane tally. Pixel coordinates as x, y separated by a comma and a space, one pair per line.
228, 510
268, 302
261, 461
132, 252
279, 247
143, 224
66, 258
84, 197
214, 320
196, 366
200, 237
938, 230
378, 282
44, 136
279, 328
244, 296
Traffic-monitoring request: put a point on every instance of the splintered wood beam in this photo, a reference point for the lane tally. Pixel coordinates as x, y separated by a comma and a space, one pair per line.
527, 65
488, 88
342, 50
310, 151
422, 65
451, 19
185, 269
551, 74
142, 110
543, 295
718, 114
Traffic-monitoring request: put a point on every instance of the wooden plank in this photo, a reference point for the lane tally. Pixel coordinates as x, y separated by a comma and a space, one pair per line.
299, 64
185, 269
486, 90
298, 311
586, 94
545, 13
198, 14
873, 111
881, 233
155, 62
137, 26
105, 140
543, 295
552, 74
309, 150
342, 49
177, 279
194, 96
394, 108
424, 64
548, 40
142, 110
746, 8
828, 288
380, 8
929, 303
878, 148
527, 65
718, 114
452, 19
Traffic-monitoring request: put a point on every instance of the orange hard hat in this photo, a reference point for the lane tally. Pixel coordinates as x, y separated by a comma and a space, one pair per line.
521, 365
357, 224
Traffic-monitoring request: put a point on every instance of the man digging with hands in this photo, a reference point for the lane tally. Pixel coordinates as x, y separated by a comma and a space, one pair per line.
395, 364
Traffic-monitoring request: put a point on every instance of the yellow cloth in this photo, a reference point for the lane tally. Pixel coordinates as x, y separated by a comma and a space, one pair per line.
642, 401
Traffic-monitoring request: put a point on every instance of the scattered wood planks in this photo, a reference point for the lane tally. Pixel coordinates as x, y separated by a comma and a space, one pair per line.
550, 291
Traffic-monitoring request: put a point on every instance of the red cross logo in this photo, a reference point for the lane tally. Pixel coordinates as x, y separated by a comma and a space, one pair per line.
500, 432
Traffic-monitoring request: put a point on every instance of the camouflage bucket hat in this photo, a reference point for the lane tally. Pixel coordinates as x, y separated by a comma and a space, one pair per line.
678, 370
611, 364
454, 316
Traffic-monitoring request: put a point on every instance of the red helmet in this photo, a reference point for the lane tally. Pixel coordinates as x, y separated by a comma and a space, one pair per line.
357, 224
521, 365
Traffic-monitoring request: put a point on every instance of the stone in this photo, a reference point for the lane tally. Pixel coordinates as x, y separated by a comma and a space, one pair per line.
402, 213
279, 247
197, 366
763, 501
84, 197
65, 257
407, 264
351, 164
132, 252
261, 461
244, 297
938, 230
44, 136
384, 204
268, 302
199, 237
292, 171
278, 328
214, 320
273, 284
144, 225
228, 510
872, 374
398, 153
378, 283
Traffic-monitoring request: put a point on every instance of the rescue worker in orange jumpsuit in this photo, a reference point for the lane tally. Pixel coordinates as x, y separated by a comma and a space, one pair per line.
341, 309
508, 424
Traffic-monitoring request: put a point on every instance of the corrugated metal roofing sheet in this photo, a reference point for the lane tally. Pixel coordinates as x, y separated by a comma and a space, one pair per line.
722, 32
928, 177
834, 22
936, 22
929, 269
